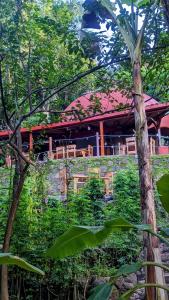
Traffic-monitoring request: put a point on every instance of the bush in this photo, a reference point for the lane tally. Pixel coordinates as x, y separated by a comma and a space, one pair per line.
126, 203
41, 219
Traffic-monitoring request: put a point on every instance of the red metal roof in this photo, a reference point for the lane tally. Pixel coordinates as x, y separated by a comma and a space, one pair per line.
108, 102
165, 122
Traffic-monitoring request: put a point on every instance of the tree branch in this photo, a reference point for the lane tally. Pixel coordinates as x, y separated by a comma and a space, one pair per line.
29, 162
75, 79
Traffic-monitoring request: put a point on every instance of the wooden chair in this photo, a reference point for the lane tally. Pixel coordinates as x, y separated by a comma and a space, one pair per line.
71, 150
79, 181
94, 171
60, 152
131, 145
51, 155
90, 150
121, 149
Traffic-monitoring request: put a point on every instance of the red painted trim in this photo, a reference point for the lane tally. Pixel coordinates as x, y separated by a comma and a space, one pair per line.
163, 150
106, 116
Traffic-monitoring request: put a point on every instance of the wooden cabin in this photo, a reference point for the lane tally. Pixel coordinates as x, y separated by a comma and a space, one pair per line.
97, 124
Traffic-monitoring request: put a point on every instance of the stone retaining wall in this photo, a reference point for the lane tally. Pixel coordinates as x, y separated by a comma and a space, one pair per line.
108, 164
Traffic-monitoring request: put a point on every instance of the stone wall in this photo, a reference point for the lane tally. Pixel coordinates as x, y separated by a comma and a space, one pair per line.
61, 172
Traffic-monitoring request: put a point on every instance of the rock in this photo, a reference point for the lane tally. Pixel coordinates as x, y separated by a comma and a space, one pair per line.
164, 248
165, 257
127, 283
100, 280
132, 278
115, 295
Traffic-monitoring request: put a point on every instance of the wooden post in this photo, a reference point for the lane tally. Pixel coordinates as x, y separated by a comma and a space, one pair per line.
97, 144
159, 136
50, 155
102, 138
30, 141
50, 144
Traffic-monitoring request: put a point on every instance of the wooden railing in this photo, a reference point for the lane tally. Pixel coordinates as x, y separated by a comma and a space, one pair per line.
93, 146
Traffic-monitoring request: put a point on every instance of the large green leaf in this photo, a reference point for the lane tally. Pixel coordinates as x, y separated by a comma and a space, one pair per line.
72, 241
114, 225
129, 269
101, 292
163, 189
9, 259
164, 232
79, 238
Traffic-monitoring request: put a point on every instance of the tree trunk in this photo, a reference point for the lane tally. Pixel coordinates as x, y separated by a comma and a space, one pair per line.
150, 243
18, 182
165, 4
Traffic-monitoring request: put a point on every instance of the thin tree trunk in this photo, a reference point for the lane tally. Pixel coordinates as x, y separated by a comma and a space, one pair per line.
151, 247
165, 4
18, 182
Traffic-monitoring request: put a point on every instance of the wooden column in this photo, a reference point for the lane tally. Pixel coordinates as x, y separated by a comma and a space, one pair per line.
158, 139
97, 144
50, 144
30, 142
159, 136
50, 154
102, 138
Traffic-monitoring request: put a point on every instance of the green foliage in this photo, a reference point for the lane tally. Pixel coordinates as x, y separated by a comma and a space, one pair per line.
126, 204
104, 291
137, 3
163, 189
9, 259
79, 238
41, 51
94, 191
101, 292
87, 205
5, 192
42, 218
125, 270
129, 293
126, 195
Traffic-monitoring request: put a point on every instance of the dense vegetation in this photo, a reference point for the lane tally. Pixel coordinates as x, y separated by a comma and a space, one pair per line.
42, 218
46, 54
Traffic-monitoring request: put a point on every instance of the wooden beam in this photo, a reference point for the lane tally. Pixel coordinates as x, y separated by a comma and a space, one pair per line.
101, 124
30, 141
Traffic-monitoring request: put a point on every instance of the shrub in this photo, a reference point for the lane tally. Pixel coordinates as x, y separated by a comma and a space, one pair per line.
126, 203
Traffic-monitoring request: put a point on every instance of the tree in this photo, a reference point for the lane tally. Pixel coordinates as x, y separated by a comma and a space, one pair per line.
36, 63
33, 55
133, 37
165, 4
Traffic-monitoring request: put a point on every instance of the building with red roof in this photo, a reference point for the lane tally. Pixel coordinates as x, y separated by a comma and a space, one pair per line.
98, 124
